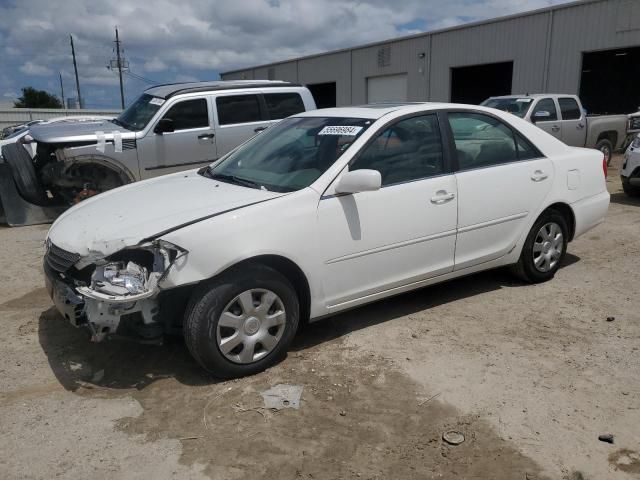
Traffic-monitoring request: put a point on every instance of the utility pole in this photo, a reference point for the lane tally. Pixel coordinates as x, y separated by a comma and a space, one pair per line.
75, 68
62, 90
119, 60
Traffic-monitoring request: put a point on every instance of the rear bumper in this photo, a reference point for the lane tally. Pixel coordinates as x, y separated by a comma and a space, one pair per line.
590, 212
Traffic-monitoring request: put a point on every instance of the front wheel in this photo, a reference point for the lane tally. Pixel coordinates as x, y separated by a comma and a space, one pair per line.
606, 147
544, 249
242, 322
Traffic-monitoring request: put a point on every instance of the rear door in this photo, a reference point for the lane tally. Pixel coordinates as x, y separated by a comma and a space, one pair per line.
238, 117
545, 116
192, 142
573, 125
502, 179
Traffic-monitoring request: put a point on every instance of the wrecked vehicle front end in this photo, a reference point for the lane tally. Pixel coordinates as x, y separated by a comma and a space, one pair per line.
117, 294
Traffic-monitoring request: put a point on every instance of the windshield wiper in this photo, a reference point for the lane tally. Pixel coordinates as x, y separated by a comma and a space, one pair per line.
233, 179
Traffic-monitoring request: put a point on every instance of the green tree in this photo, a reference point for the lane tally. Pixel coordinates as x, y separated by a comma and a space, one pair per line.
32, 98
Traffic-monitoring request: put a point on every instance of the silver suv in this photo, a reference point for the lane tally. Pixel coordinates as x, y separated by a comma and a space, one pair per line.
168, 128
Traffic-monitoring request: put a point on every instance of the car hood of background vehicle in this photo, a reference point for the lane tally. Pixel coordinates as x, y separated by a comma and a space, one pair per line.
120, 218
76, 132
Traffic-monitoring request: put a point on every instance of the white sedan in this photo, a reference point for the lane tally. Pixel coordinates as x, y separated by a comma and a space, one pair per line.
327, 210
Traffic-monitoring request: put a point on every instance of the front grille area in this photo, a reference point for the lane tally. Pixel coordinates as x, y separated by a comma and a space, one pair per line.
58, 259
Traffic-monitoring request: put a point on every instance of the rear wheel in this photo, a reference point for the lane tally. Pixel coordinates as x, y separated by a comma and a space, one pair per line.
242, 322
544, 248
606, 147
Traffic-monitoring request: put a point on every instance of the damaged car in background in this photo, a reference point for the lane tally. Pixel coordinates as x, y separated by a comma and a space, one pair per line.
326, 211
167, 129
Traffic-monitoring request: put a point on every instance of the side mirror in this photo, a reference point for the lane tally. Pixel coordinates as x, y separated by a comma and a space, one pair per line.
359, 181
541, 115
165, 125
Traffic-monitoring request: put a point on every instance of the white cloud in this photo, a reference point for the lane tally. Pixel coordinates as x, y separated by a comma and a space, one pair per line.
155, 65
177, 39
39, 70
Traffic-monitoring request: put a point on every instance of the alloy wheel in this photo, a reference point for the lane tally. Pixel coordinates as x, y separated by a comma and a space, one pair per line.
548, 247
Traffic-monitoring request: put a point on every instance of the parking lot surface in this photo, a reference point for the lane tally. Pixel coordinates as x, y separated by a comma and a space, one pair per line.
530, 374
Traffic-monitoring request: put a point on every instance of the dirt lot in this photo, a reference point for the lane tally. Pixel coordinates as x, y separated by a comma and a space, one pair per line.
530, 374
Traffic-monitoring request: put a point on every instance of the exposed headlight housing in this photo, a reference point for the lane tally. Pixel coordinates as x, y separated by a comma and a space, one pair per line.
133, 273
636, 142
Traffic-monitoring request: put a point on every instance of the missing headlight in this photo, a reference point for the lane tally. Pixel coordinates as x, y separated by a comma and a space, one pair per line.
132, 273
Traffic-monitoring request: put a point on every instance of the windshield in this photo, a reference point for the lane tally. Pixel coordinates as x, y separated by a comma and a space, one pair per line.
138, 114
291, 155
517, 106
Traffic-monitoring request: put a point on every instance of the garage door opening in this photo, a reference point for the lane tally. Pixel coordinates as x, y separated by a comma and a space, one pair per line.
609, 81
477, 83
324, 94
387, 88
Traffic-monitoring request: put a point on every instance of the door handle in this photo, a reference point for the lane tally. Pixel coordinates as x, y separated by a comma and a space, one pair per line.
259, 129
206, 136
580, 126
555, 128
539, 176
442, 196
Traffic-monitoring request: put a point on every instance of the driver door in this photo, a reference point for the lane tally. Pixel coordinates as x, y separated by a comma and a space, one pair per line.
191, 144
545, 116
372, 242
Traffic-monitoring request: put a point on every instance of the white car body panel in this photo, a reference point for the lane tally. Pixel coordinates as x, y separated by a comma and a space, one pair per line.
356, 248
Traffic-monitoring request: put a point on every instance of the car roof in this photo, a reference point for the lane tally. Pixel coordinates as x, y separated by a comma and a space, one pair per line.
373, 110
170, 89
535, 95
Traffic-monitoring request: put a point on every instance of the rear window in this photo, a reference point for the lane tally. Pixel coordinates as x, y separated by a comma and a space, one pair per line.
281, 105
238, 109
569, 109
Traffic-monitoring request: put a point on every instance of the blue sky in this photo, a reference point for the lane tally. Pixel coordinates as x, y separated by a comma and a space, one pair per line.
168, 41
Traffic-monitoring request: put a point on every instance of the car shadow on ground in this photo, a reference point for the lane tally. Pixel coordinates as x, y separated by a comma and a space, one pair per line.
119, 364
624, 199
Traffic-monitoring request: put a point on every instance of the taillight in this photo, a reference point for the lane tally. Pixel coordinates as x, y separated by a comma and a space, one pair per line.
604, 166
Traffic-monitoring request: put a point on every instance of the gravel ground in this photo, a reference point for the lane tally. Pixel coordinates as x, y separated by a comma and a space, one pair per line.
531, 375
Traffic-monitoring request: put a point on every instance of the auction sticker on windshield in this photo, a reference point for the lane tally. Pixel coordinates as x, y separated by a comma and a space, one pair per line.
156, 101
351, 131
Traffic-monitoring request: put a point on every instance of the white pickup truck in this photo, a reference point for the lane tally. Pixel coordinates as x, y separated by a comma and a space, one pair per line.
564, 117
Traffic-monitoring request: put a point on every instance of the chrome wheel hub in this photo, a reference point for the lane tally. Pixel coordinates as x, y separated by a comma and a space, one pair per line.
547, 247
251, 326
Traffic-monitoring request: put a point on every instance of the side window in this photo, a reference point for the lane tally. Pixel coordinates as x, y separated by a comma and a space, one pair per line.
569, 109
238, 109
189, 114
526, 151
545, 105
481, 140
408, 150
281, 105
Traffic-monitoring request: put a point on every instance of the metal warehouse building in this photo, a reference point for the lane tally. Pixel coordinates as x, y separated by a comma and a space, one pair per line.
590, 48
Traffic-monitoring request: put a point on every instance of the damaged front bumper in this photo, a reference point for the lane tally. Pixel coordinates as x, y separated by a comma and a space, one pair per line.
120, 297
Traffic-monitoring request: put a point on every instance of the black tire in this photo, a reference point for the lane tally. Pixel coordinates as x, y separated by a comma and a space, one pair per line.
24, 173
631, 190
606, 147
525, 269
207, 304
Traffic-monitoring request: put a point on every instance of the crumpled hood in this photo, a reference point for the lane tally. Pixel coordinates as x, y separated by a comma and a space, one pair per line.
122, 217
76, 132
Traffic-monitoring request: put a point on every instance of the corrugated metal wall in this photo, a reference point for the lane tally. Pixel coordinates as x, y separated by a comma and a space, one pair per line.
15, 116
546, 49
